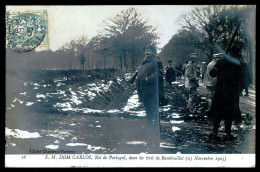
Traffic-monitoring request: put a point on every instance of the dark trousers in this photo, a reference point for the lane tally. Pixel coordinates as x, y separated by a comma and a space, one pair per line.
151, 104
228, 125
170, 84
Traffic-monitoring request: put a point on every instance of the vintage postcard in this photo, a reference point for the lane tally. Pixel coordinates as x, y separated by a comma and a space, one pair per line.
130, 86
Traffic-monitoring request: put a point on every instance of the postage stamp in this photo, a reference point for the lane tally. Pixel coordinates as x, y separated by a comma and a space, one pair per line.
26, 30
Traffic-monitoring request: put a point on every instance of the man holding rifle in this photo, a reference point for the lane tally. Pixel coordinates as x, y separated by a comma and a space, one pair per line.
150, 89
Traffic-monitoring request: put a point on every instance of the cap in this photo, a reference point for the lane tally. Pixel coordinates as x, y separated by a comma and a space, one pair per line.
193, 55
218, 55
169, 61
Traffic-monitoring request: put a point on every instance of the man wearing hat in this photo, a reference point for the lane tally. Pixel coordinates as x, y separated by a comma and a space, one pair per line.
149, 84
170, 73
191, 81
210, 82
225, 102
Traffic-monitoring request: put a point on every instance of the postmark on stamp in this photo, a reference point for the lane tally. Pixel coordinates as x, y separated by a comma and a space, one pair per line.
26, 30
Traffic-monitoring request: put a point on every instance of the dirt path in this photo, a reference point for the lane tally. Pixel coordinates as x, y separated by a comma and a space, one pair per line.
123, 132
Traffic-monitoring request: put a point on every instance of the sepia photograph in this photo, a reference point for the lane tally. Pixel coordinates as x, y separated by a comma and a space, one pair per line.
130, 85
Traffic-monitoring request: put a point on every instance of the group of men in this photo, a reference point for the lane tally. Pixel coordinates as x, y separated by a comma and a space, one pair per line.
223, 84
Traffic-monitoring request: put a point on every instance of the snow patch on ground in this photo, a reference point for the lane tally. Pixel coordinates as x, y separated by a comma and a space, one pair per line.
29, 103
89, 147
175, 129
136, 143
20, 133
52, 146
61, 134
76, 144
114, 111
166, 145
175, 122
133, 102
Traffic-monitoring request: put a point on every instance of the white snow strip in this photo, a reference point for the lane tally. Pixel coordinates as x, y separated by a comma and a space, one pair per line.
175, 82
95, 148
89, 147
52, 146
61, 134
175, 115
98, 126
25, 84
56, 141
87, 110
74, 98
59, 80
133, 102
114, 111
166, 109
29, 103
137, 113
21, 102
165, 145
15, 99
20, 134
40, 95
72, 124
91, 95
76, 144
175, 122
23, 93
12, 144
175, 129
136, 143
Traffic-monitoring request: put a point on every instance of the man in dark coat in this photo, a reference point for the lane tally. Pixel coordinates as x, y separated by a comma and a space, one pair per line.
150, 89
225, 103
178, 70
170, 73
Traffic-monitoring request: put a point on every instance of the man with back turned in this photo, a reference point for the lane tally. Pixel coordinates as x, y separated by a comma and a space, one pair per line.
225, 102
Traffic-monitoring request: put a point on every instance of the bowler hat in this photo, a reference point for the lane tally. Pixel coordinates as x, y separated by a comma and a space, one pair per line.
151, 47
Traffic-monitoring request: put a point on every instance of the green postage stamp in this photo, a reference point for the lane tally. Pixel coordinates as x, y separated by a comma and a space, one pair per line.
26, 30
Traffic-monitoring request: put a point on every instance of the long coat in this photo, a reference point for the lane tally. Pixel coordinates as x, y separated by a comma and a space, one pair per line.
170, 74
191, 76
225, 102
151, 69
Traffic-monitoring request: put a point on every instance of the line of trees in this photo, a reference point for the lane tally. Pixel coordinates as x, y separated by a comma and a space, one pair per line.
119, 45
208, 30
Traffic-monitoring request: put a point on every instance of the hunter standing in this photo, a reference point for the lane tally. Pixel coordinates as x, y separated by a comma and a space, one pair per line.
150, 89
210, 82
170, 73
225, 103
191, 81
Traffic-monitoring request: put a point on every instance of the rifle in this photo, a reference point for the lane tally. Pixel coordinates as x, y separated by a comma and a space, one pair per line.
132, 79
229, 58
232, 39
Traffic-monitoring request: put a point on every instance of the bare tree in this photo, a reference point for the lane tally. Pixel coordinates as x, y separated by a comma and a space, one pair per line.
126, 34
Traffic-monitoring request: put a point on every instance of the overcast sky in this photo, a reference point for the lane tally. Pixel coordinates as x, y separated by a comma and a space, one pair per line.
68, 22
